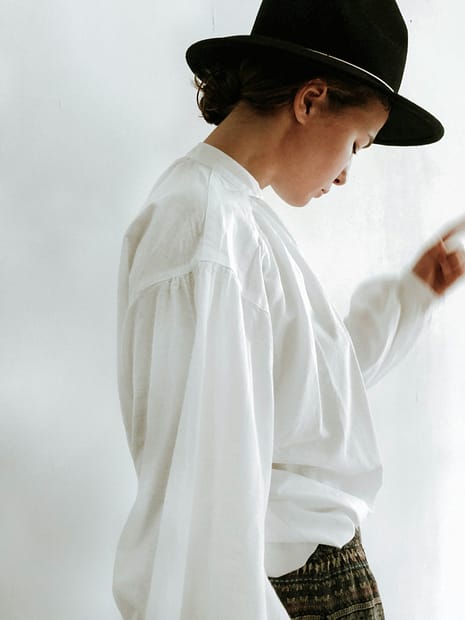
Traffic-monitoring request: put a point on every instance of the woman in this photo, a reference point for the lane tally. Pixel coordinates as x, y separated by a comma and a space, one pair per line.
243, 393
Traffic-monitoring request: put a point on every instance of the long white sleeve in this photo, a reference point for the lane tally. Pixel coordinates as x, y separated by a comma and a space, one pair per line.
385, 318
199, 416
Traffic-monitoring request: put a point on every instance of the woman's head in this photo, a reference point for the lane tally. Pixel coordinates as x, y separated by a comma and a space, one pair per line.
294, 130
320, 139
268, 88
363, 39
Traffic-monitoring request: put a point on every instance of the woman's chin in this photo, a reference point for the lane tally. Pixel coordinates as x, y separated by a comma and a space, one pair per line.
296, 200
300, 201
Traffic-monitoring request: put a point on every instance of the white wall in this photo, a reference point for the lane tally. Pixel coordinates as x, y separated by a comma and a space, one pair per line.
95, 101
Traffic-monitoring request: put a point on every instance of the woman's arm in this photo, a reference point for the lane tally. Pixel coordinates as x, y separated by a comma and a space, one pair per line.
196, 385
386, 316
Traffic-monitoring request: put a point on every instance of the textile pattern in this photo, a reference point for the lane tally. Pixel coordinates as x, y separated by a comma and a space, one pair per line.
334, 584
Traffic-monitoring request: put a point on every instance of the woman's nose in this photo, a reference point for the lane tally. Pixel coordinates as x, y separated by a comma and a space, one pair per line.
341, 177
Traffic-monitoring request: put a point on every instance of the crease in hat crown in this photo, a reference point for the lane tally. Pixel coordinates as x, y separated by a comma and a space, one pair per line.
364, 39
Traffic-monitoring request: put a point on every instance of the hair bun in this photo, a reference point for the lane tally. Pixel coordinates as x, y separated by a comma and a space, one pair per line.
221, 91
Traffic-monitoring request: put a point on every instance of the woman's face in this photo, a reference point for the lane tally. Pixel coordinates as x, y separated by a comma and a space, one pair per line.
318, 148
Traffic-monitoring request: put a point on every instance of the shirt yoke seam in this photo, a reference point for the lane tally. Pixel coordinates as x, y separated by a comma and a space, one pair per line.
187, 270
256, 233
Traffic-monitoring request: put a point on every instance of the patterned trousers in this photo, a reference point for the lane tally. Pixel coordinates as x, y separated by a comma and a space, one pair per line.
334, 584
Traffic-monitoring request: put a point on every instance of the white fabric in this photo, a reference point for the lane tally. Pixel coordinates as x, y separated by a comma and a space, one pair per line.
243, 397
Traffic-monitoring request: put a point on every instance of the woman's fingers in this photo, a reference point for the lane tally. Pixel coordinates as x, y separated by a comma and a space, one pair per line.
453, 266
436, 251
446, 269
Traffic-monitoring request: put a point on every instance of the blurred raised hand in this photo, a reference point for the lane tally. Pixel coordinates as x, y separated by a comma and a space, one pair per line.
444, 262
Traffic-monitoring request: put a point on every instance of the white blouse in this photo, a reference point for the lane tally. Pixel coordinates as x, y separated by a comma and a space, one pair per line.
243, 396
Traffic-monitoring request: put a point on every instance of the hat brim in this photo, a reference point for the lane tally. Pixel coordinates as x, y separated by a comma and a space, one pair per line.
408, 123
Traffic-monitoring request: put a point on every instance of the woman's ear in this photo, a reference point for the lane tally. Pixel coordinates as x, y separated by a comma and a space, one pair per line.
310, 98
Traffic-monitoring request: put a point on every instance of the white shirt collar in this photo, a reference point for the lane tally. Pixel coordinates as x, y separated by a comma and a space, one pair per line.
226, 166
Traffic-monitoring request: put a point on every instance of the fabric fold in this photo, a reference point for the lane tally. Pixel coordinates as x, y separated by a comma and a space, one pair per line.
386, 317
203, 440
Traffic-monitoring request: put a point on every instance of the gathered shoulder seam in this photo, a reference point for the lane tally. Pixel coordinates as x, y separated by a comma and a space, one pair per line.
187, 270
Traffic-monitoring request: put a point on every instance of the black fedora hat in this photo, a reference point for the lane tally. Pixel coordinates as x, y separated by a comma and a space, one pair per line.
366, 39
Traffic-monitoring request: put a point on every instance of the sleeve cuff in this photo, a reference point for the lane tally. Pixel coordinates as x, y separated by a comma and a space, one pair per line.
418, 290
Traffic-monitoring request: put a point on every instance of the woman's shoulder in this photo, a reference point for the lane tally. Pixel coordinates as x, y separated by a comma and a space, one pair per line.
189, 216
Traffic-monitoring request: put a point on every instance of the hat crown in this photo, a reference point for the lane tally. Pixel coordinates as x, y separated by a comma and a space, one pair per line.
364, 39
370, 34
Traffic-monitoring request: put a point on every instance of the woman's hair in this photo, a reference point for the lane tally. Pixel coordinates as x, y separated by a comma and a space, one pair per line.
269, 87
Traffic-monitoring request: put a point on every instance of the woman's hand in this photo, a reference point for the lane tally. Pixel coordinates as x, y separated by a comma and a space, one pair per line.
440, 267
